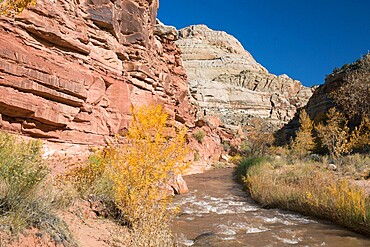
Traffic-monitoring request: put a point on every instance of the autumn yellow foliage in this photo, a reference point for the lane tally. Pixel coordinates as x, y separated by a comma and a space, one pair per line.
132, 172
360, 137
139, 167
13, 7
335, 134
307, 189
304, 141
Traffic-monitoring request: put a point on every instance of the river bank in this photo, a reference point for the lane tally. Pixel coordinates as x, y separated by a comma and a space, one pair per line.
218, 212
309, 188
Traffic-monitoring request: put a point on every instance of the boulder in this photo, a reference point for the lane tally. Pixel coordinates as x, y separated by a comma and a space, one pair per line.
178, 184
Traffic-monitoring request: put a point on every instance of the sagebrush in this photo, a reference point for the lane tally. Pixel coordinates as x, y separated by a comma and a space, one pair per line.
199, 135
26, 198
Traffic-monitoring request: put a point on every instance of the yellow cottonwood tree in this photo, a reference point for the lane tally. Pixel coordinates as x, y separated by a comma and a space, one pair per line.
304, 142
335, 134
132, 172
152, 151
360, 137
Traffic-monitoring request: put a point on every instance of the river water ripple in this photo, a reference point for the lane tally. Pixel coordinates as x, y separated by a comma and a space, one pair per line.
217, 212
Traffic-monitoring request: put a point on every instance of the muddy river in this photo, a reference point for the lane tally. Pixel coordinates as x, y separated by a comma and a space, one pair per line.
217, 212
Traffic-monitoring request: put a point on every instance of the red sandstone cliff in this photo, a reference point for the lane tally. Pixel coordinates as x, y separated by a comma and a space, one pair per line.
70, 70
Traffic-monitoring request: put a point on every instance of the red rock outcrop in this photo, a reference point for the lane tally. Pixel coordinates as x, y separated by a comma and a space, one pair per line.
70, 70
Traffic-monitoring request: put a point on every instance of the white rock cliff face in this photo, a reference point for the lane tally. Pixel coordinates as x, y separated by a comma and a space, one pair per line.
226, 81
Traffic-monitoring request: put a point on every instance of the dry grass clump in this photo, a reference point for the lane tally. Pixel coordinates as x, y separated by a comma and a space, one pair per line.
26, 198
308, 189
356, 166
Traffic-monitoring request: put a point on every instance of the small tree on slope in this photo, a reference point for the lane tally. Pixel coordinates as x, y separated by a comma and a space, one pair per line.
335, 134
304, 142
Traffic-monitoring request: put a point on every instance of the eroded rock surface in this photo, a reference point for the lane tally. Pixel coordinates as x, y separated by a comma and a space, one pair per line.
70, 70
356, 78
226, 81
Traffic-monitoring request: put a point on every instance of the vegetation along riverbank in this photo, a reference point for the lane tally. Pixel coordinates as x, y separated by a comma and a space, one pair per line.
332, 185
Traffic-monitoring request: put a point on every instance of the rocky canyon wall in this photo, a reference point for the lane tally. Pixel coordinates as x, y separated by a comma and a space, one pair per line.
70, 70
226, 81
355, 78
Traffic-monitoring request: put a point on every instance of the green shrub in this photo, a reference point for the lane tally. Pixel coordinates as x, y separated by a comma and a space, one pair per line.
91, 181
25, 195
245, 148
91, 177
199, 135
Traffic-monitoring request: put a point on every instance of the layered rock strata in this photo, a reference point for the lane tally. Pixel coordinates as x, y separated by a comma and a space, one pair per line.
70, 70
226, 81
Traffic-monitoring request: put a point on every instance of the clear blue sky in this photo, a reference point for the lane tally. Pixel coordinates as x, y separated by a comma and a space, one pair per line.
304, 39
